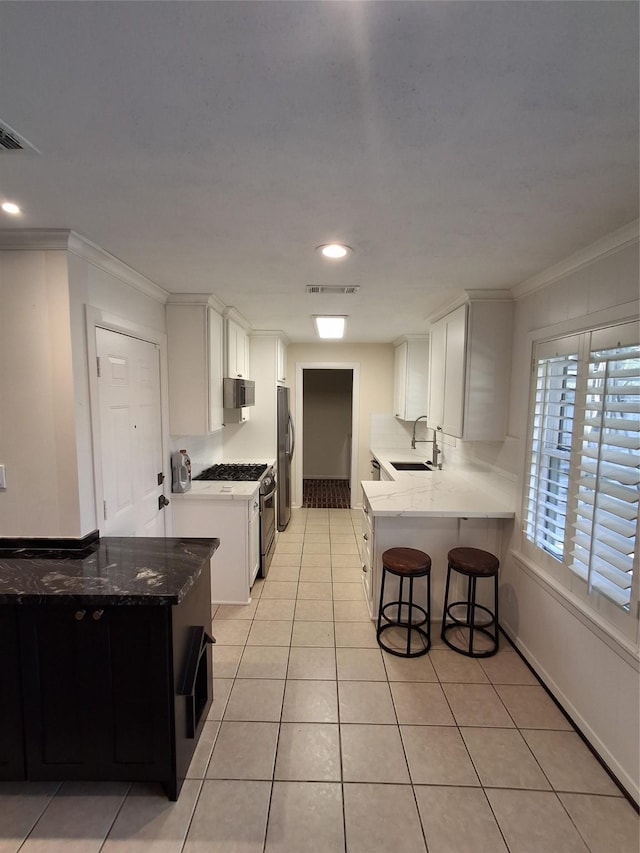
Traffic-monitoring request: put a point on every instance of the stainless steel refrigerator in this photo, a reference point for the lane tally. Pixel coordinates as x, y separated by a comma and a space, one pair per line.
286, 445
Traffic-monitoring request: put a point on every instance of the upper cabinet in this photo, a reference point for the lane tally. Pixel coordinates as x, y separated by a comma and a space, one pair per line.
281, 362
469, 368
237, 350
411, 377
194, 336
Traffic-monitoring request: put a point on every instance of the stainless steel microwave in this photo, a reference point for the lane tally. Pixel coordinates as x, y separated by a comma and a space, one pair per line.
237, 393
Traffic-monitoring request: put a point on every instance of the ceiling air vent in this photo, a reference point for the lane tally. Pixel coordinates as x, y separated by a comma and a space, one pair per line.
12, 141
349, 289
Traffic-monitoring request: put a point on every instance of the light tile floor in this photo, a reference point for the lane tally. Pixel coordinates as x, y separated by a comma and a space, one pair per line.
319, 741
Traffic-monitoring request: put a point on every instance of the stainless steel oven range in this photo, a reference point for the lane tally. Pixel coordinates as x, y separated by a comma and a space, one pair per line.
266, 476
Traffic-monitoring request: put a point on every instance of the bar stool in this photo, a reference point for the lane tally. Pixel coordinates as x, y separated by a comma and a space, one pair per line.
474, 564
405, 563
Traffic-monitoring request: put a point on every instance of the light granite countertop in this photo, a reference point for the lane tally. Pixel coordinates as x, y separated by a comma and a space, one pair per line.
446, 494
219, 490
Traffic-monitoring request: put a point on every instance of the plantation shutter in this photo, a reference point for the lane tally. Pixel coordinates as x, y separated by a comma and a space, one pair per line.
606, 518
550, 451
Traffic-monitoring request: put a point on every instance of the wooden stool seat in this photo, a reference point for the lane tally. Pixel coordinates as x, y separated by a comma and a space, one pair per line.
405, 563
475, 564
473, 561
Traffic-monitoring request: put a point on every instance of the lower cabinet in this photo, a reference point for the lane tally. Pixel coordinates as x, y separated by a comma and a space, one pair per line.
237, 523
118, 692
97, 691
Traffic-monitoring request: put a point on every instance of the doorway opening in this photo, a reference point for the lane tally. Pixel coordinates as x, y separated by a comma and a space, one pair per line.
327, 416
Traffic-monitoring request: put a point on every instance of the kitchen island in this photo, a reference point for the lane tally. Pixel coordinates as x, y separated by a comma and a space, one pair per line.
105, 670
433, 511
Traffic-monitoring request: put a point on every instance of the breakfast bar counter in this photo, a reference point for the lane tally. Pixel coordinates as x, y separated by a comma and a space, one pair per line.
433, 511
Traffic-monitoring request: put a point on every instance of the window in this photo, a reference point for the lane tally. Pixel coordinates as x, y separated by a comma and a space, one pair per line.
581, 502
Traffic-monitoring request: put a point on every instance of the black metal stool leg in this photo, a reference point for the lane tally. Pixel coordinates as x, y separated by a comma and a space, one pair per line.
381, 605
410, 616
446, 602
429, 610
495, 610
471, 620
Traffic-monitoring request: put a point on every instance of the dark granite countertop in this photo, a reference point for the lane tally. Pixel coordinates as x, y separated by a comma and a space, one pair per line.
111, 570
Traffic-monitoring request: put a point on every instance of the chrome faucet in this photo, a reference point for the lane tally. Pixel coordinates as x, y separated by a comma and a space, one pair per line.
413, 436
436, 449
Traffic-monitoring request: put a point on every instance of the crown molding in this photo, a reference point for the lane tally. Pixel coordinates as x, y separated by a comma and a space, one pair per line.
271, 333
36, 239
92, 254
197, 299
63, 239
608, 245
411, 337
231, 313
477, 294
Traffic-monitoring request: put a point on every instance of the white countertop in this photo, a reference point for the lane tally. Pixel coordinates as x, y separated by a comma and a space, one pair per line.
448, 493
219, 490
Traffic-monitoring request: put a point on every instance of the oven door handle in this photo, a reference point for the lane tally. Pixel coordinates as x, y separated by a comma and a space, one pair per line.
270, 494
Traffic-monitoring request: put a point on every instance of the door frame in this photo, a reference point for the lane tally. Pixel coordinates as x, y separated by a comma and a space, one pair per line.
354, 367
97, 318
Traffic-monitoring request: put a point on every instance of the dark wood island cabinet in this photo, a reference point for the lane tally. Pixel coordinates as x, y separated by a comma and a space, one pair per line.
105, 669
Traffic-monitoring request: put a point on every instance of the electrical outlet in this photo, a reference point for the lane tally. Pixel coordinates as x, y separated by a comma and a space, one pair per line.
3, 477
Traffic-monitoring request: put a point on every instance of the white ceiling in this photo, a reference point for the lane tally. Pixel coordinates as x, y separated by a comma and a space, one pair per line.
212, 146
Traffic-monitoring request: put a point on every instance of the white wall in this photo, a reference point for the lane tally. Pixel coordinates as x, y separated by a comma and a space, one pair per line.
594, 677
376, 388
45, 423
37, 397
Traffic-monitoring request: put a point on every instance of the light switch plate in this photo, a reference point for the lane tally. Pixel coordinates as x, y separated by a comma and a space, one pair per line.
3, 477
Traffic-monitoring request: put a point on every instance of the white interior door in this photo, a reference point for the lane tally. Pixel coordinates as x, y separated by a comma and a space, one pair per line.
130, 435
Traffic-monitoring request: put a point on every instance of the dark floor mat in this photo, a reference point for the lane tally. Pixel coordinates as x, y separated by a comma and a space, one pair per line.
332, 494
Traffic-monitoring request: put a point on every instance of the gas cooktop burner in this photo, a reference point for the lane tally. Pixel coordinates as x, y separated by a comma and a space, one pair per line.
229, 471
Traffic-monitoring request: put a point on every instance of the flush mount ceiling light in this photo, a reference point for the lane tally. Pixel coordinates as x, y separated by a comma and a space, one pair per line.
10, 207
330, 327
335, 251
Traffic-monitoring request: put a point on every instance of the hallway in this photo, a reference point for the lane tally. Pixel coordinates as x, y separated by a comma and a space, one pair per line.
317, 742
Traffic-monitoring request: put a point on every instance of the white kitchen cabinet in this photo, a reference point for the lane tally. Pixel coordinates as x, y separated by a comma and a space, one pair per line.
237, 351
281, 362
469, 370
194, 342
366, 549
411, 377
236, 523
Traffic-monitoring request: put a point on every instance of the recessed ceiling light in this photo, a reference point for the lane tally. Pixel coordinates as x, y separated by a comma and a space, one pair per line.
329, 327
10, 207
335, 251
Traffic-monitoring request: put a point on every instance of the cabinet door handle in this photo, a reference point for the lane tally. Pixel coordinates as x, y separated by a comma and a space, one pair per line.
79, 615
97, 615
364, 567
365, 537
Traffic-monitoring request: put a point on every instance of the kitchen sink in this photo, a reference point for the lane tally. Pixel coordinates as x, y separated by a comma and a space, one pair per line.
411, 466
